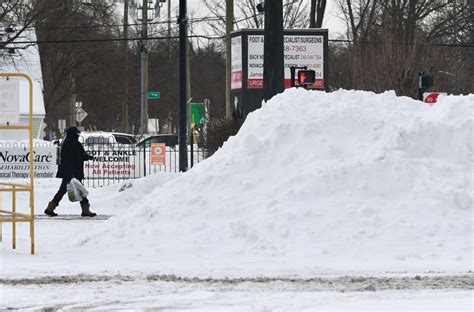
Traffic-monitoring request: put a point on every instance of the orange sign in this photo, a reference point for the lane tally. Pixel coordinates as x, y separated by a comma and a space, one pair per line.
158, 153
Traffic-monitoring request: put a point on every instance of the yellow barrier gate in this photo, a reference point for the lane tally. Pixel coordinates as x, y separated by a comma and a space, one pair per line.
12, 215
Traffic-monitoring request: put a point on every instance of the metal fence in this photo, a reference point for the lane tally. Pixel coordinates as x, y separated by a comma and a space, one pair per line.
114, 162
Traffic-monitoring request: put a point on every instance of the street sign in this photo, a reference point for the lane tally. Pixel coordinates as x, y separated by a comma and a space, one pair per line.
158, 153
153, 95
198, 113
432, 97
62, 125
80, 114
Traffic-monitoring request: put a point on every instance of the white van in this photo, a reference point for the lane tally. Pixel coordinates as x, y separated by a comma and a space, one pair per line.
101, 137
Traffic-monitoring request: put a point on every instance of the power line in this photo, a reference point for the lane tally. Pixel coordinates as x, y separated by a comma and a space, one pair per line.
222, 37
450, 45
114, 39
192, 20
200, 19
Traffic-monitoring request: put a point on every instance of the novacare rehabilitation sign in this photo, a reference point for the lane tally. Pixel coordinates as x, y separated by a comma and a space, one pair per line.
14, 162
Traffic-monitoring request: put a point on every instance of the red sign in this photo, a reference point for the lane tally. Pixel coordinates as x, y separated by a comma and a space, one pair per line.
431, 97
255, 83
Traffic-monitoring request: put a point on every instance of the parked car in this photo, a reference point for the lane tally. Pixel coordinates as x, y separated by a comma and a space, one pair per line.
100, 137
169, 139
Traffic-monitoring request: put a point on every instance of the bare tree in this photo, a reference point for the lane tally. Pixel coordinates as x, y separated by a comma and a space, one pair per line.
316, 15
390, 41
359, 16
86, 69
295, 15
16, 17
18, 13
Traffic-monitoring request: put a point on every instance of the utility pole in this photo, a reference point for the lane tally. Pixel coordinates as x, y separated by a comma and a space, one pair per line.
455, 26
68, 6
72, 94
183, 149
273, 61
228, 71
125, 70
144, 70
188, 83
169, 29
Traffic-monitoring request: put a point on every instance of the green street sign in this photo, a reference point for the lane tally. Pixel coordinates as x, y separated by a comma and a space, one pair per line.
198, 113
153, 95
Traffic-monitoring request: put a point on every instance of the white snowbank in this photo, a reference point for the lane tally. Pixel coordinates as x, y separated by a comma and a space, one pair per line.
317, 181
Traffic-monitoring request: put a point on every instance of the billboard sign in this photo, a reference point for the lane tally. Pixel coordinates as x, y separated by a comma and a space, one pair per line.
236, 75
299, 50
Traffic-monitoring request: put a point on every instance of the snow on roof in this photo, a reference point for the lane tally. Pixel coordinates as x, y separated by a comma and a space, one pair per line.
316, 182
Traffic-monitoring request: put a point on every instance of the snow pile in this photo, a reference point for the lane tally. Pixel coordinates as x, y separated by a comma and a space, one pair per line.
345, 180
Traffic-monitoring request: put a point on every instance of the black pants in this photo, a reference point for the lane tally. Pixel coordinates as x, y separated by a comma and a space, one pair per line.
63, 190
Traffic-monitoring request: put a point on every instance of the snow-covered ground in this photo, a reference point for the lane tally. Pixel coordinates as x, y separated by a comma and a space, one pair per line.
315, 185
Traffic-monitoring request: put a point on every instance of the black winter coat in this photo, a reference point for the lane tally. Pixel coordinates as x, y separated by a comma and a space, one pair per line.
72, 160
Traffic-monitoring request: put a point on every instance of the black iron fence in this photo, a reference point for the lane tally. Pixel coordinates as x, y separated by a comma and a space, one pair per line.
113, 162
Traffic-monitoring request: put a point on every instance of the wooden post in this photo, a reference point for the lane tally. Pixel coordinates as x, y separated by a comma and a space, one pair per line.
14, 218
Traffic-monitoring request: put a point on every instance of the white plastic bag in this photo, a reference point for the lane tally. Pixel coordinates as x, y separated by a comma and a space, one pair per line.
76, 191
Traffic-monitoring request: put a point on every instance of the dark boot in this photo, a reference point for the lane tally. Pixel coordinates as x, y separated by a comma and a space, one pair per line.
50, 209
86, 212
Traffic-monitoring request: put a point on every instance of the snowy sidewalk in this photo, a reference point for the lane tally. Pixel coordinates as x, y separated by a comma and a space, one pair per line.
144, 294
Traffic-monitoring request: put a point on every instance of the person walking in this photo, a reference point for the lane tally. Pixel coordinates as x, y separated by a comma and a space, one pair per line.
71, 165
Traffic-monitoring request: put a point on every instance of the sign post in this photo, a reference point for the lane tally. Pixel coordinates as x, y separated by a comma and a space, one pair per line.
62, 125
199, 115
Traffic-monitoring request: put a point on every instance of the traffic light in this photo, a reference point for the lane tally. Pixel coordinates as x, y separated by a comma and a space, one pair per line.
306, 77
